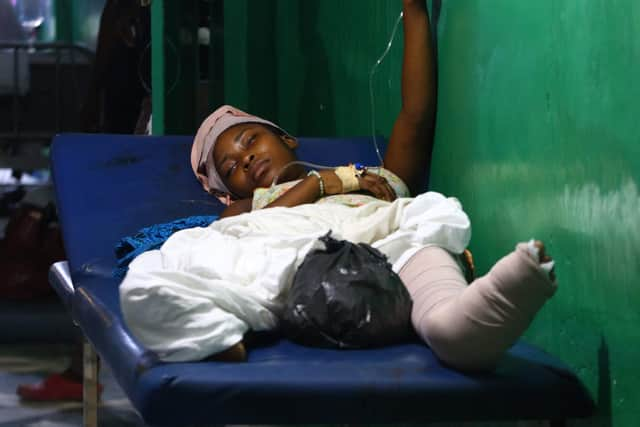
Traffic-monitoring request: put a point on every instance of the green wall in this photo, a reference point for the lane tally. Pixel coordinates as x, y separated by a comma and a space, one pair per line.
537, 135
306, 63
538, 110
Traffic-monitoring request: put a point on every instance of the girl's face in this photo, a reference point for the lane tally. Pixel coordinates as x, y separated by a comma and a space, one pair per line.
250, 155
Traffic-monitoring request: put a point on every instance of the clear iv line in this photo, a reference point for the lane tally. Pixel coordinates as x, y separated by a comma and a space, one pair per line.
373, 115
297, 162
371, 97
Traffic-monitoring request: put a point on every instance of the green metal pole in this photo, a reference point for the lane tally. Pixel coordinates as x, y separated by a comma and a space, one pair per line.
174, 66
157, 68
216, 54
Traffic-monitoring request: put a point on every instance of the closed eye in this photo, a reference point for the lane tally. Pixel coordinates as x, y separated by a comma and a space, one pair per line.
231, 169
246, 142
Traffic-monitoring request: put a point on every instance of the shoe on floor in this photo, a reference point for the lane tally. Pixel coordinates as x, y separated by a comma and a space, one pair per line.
54, 387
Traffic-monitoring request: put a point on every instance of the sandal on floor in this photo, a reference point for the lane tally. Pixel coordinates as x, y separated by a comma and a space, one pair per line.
54, 387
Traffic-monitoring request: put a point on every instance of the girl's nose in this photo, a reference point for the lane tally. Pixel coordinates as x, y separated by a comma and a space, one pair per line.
247, 161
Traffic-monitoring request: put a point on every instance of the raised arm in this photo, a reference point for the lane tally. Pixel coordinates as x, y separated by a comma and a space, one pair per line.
409, 152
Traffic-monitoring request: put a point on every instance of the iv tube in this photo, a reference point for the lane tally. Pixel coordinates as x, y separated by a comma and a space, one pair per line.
371, 74
373, 110
298, 162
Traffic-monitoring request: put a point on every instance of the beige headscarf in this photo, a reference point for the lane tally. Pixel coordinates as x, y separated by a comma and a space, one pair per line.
207, 136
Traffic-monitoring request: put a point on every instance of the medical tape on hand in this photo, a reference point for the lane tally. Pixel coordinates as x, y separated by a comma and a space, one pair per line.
348, 175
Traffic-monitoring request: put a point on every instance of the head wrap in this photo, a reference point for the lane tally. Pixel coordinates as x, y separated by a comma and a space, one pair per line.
207, 136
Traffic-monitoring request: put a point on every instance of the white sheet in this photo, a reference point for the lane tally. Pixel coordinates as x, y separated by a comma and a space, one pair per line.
200, 292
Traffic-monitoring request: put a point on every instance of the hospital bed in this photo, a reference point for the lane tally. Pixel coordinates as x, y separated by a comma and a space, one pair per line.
110, 186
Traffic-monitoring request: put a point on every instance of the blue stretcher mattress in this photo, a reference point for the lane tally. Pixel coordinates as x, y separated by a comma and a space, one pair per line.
110, 186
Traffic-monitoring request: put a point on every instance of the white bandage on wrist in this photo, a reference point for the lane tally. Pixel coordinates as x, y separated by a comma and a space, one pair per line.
348, 175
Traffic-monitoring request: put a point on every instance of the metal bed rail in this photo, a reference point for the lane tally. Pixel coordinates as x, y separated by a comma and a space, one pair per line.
57, 53
38, 105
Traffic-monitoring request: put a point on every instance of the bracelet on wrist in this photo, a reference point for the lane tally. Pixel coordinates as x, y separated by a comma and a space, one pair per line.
320, 180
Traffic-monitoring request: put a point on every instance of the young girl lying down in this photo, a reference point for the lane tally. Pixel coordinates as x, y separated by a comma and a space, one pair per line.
236, 157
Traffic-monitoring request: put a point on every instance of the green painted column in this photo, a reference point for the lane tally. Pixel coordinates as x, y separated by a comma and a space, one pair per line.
158, 84
216, 54
174, 66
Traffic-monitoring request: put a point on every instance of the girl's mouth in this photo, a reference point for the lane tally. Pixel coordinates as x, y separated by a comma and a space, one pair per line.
259, 169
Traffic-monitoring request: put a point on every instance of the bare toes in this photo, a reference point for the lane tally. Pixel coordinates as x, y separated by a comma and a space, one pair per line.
543, 258
542, 255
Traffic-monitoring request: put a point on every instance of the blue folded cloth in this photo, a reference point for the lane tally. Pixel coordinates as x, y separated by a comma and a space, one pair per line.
152, 237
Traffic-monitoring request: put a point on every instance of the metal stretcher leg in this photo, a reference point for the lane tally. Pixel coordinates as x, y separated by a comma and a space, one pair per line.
90, 385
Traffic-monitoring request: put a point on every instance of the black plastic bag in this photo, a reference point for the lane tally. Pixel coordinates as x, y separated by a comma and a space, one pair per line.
347, 296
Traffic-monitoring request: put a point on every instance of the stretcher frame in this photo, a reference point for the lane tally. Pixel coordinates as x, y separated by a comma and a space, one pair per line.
398, 384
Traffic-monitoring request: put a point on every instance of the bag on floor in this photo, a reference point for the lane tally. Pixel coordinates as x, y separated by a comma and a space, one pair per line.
347, 296
32, 242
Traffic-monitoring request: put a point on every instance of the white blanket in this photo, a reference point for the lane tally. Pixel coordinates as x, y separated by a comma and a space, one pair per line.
206, 287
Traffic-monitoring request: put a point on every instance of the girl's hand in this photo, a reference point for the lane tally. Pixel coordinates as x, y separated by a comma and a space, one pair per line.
377, 186
370, 183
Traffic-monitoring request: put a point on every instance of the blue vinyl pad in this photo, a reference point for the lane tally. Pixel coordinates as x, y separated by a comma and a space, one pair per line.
109, 186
